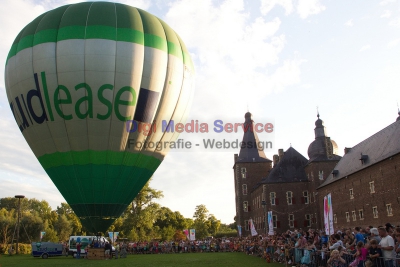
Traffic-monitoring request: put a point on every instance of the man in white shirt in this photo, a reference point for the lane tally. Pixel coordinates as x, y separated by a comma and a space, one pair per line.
337, 242
387, 247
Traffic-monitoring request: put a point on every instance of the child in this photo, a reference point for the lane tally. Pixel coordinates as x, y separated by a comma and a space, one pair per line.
335, 260
360, 256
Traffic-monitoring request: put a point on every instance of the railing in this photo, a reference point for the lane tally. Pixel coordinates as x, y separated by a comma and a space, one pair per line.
317, 258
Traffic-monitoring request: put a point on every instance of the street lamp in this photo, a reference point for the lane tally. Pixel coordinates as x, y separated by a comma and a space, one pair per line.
264, 204
19, 214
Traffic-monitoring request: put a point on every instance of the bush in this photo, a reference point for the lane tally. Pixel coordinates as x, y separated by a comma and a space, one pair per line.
226, 234
23, 248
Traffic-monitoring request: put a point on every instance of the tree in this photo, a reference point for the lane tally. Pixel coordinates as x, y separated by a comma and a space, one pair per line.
51, 234
200, 221
7, 224
10, 203
213, 223
30, 228
43, 209
65, 209
179, 235
140, 216
167, 233
200, 214
63, 228
166, 217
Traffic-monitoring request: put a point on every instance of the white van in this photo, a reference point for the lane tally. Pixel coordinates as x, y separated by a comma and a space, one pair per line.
46, 249
85, 241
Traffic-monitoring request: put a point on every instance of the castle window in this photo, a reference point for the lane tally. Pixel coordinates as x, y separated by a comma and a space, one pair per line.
321, 175
389, 209
351, 193
243, 172
361, 214
308, 222
375, 211
244, 189
306, 198
334, 218
291, 220
347, 217
245, 206
289, 197
272, 197
246, 223
353, 214
371, 187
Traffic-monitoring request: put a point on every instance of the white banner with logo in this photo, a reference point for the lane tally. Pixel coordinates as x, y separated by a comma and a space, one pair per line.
252, 228
270, 224
192, 234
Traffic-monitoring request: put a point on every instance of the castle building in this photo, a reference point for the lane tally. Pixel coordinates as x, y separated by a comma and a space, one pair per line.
364, 184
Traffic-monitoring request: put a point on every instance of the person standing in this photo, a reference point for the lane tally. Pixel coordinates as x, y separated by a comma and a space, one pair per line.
107, 250
116, 251
78, 250
387, 247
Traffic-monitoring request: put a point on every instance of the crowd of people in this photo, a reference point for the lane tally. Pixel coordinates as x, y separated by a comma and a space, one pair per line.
354, 247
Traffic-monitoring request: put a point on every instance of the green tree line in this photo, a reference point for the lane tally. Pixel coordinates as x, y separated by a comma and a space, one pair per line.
144, 219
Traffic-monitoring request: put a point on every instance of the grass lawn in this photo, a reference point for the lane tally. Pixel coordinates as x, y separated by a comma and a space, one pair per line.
157, 260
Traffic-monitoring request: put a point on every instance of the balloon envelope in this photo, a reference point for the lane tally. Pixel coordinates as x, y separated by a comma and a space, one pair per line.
84, 82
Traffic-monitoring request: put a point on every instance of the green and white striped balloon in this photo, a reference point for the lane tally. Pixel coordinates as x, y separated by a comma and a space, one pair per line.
74, 76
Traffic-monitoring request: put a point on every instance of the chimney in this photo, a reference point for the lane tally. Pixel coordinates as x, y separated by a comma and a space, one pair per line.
280, 153
347, 150
275, 159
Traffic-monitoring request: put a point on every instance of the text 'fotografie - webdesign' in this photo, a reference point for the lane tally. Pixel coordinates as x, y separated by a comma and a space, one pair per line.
195, 135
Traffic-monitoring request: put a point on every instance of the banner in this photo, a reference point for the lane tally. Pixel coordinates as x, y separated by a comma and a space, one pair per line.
239, 230
42, 234
331, 229
192, 234
186, 232
252, 228
326, 216
270, 224
113, 236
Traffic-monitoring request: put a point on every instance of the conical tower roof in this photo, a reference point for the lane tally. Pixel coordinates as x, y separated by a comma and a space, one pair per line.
250, 150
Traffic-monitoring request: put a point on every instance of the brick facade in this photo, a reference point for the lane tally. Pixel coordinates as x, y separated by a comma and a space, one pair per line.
385, 176
247, 175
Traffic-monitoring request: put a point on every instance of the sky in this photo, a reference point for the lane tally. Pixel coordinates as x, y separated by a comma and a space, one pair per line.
278, 59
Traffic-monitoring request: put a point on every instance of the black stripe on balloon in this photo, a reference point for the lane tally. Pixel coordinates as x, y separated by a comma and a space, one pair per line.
146, 106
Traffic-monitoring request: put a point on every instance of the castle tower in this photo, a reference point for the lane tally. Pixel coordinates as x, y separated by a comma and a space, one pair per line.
250, 165
323, 158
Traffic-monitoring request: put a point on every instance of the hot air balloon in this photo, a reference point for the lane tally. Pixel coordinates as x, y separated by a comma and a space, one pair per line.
81, 80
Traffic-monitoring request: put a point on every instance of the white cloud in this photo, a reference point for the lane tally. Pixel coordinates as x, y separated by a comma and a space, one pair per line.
349, 23
386, 14
395, 22
142, 4
309, 7
304, 8
386, 2
232, 51
365, 48
268, 5
393, 43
